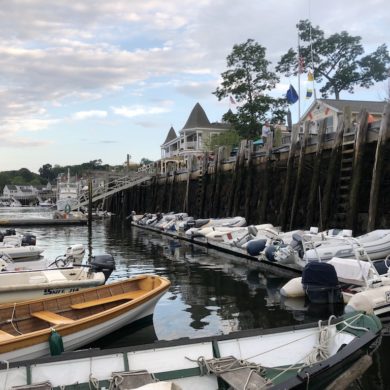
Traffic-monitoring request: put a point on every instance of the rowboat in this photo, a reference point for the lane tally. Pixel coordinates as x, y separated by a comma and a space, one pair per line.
285, 358
78, 318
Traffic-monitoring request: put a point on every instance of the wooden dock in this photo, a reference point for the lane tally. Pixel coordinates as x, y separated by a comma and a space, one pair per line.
41, 222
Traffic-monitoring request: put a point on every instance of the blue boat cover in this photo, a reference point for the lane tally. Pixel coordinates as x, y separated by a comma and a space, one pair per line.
319, 274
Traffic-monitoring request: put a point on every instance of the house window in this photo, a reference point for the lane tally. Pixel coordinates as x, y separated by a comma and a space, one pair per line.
329, 125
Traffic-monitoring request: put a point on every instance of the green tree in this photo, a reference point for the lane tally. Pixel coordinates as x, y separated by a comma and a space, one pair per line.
338, 60
145, 161
47, 172
247, 80
227, 138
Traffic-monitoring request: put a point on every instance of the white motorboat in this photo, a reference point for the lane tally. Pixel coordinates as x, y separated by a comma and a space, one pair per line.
13, 247
21, 285
68, 195
216, 223
358, 285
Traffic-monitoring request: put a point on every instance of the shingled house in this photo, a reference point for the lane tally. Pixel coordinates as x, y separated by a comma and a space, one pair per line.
192, 138
330, 110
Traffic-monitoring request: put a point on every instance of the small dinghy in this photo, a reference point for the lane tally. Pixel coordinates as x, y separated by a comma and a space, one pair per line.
352, 282
303, 356
20, 247
17, 286
79, 318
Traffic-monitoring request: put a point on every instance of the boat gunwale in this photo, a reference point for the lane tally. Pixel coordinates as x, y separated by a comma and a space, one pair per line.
160, 344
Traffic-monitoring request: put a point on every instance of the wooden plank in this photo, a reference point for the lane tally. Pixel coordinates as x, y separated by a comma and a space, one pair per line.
4, 336
115, 298
353, 373
52, 318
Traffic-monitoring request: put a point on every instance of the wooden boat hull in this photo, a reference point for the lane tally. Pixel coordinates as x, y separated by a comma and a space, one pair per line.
178, 360
79, 318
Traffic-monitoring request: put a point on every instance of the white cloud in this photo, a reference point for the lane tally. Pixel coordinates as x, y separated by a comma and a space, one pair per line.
82, 115
133, 111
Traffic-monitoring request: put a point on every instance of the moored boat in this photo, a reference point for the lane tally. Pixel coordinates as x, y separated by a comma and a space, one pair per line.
286, 358
79, 318
16, 286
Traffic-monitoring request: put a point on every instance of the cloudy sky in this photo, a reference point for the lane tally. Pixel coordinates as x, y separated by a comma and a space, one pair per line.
83, 80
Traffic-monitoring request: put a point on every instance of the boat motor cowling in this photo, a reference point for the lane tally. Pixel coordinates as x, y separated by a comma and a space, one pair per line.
103, 263
254, 247
29, 239
321, 283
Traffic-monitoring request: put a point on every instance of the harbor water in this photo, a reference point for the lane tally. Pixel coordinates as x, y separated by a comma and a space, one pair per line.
211, 292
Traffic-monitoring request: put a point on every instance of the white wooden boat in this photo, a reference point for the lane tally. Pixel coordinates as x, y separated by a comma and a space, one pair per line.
304, 356
79, 318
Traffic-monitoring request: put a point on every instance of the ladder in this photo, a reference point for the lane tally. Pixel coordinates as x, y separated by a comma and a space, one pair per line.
346, 171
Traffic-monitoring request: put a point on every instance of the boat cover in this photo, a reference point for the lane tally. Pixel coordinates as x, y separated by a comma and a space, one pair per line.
350, 270
319, 274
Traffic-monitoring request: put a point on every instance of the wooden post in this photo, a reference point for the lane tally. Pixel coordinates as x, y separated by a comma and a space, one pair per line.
315, 178
239, 180
289, 173
353, 373
360, 139
90, 202
298, 183
249, 183
333, 164
375, 191
189, 169
217, 195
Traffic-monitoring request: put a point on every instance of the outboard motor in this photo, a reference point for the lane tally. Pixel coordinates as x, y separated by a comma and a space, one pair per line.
254, 247
1, 236
320, 282
10, 232
28, 239
103, 263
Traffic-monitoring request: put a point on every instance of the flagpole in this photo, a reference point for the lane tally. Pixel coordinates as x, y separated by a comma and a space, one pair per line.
299, 86
311, 53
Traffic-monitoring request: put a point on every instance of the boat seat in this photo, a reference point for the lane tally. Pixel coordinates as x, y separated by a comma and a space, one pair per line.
115, 298
52, 318
5, 336
54, 276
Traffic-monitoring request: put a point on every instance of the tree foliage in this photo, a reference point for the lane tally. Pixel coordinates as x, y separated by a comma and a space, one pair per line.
145, 161
227, 138
247, 80
337, 61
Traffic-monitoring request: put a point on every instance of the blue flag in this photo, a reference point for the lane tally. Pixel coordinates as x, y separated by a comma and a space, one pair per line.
292, 96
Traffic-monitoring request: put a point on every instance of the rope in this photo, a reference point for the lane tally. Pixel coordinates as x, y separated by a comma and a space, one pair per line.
12, 321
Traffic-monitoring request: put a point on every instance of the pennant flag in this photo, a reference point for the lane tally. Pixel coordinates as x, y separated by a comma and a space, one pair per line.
310, 76
232, 101
291, 95
309, 93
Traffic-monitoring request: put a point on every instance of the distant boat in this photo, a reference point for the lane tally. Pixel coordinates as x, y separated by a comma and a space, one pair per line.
67, 195
79, 317
47, 203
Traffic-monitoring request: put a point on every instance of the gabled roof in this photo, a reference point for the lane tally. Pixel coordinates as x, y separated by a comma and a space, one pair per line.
356, 105
171, 136
197, 118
